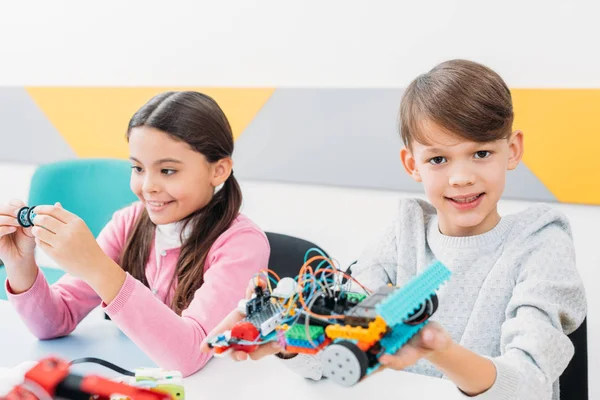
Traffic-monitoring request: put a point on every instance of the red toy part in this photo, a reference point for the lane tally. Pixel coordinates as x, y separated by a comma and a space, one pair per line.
51, 375
245, 331
48, 374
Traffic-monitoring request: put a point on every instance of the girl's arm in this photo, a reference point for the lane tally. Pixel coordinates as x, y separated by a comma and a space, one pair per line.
53, 311
173, 341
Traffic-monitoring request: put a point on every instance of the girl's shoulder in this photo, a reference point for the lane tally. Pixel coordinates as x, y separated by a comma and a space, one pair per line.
243, 224
243, 233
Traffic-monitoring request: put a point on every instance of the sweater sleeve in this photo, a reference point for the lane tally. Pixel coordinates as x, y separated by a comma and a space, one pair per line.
173, 341
548, 302
53, 311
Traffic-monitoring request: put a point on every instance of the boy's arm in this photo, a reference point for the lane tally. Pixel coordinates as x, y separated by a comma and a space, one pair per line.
548, 302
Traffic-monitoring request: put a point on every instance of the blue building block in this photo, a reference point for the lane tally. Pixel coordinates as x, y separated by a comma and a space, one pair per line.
305, 343
404, 301
393, 341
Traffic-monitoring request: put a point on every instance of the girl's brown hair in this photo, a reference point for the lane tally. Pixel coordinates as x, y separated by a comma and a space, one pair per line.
195, 119
466, 98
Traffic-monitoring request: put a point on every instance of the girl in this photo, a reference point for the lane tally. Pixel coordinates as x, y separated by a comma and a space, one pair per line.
500, 330
165, 269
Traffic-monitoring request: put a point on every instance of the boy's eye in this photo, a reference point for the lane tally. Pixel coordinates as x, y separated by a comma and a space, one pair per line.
483, 154
437, 160
167, 171
136, 168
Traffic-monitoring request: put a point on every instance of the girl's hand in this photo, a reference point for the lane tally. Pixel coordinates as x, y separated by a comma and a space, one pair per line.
233, 318
65, 238
430, 341
16, 242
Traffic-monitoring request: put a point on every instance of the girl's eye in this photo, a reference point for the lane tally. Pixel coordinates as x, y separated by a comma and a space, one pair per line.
167, 171
483, 154
437, 160
136, 168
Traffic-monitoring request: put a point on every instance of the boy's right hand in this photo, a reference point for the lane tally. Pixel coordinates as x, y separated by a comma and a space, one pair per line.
233, 318
16, 242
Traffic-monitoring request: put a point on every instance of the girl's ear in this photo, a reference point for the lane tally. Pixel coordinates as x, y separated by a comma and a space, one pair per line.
221, 171
515, 149
410, 164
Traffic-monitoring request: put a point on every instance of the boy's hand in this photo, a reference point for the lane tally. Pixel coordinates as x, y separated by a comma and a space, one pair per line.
430, 341
233, 318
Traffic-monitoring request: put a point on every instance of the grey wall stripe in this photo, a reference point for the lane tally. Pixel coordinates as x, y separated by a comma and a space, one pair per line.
342, 137
26, 135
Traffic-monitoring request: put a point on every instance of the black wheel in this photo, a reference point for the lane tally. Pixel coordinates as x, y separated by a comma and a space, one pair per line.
344, 363
427, 309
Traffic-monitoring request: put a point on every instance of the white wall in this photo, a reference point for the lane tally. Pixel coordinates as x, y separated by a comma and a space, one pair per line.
302, 43
343, 220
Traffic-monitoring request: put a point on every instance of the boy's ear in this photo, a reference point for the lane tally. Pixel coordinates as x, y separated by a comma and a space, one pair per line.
515, 149
410, 164
221, 171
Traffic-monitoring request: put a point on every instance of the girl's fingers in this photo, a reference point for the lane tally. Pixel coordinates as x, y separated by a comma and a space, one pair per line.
7, 230
8, 221
49, 223
265, 350
43, 235
8, 210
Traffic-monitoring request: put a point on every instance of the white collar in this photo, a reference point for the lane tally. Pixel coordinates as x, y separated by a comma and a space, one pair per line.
168, 236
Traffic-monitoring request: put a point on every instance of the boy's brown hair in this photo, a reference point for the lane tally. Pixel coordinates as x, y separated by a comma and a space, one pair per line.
463, 97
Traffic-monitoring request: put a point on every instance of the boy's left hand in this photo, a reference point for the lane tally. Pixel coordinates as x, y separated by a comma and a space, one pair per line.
67, 240
430, 341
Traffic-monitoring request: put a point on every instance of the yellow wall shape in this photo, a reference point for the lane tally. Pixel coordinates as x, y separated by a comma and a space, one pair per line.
93, 121
562, 138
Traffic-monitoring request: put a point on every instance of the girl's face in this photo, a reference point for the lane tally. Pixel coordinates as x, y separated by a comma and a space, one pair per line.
170, 178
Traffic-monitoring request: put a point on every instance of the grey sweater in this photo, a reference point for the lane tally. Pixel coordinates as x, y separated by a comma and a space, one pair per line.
513, 296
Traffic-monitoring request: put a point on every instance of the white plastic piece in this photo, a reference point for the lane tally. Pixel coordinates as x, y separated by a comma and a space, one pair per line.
241, 307
269, 325
285, 289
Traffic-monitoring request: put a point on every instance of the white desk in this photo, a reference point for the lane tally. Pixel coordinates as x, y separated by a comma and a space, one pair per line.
219, 379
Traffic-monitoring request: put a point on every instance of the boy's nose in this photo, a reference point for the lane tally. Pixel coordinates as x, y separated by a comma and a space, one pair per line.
462, 178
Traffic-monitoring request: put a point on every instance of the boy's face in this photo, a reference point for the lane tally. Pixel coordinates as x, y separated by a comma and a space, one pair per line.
462, 179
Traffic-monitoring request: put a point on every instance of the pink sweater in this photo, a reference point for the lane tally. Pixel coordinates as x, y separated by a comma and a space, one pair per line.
173, 342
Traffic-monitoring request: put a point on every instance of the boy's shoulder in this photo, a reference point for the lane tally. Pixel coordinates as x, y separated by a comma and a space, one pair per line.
540, 224
413, 209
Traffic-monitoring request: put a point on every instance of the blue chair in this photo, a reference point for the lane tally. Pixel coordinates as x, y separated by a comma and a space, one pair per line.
93, 189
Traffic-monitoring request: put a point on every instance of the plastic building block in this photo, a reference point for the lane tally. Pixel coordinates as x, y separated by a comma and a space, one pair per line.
157, 380
400, 304
376, 329
299, 332
356, 296
245, 330
308, 350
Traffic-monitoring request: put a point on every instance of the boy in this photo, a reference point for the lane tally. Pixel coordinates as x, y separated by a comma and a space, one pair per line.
500, 330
